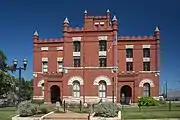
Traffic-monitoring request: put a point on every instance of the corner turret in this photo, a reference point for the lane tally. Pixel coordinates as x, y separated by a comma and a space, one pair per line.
36, 36
157, 33
115, 23
65, 25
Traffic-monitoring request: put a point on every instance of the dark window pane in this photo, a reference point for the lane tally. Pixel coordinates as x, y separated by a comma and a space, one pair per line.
129, 53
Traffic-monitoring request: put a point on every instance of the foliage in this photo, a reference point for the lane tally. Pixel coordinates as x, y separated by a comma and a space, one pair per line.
26, 108
39, 102
43, 110
107, 109
147, 101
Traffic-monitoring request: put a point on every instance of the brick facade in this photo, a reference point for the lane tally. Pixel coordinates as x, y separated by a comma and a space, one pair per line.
89, 74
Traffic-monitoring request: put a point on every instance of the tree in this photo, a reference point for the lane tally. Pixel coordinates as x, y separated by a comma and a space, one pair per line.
6, 80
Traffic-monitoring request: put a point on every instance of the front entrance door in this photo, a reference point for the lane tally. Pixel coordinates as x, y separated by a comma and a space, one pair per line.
126, 94
55, 94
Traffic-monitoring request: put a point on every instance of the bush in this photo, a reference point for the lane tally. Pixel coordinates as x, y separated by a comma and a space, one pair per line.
107, 110
26, 108
39, 102
43, 110
147, 101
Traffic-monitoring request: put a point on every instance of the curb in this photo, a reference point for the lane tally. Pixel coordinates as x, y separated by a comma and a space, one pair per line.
46, 115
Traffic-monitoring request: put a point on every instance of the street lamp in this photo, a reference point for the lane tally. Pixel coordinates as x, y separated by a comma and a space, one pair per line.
113, 89
166, 90
15, 63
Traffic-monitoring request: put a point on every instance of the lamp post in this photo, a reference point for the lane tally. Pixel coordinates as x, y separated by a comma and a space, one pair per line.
15, 63
166, 90
113, 89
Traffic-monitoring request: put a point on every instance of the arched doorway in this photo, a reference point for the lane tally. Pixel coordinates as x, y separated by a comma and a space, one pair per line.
126, 94
55, 94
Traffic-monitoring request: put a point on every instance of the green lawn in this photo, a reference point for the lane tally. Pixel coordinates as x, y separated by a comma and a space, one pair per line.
7, 113
152, 112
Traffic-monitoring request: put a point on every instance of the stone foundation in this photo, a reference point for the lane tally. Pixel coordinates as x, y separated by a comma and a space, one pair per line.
88, 99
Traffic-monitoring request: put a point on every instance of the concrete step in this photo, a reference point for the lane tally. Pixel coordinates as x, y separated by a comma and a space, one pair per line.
66, 116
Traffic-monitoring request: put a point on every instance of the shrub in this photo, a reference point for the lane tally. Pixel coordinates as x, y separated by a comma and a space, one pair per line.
26, 108
147, 101
107, 109
39, 102
43, 110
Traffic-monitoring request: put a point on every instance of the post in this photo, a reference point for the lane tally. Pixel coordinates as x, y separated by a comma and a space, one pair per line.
80, 106
64, 106
169, 105
19, 84
113, 89
166, 91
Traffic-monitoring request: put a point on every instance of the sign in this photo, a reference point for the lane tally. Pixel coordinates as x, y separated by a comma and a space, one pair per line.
85, 105
57, 104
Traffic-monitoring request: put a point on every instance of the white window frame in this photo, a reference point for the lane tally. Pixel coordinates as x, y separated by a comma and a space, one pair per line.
76, 88
102, 89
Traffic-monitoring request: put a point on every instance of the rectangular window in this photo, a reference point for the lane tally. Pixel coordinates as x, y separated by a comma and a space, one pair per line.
60, 66
146, 52
102, 45
146, 66
129, 53
77, 46
129, 66
102, 61
44, 66
77, 62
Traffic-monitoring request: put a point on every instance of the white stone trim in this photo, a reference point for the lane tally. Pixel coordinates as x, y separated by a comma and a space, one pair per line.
129, 46
102, 77
129, 59
60, 59
147, 59
74, 78
146, 81
101, 23
102, 37
40, 83
146, 46
149, 71
76, 38
88, 99
76, 54
44, 48
96, 23
38, 97
44, 59
59, 48
102, 53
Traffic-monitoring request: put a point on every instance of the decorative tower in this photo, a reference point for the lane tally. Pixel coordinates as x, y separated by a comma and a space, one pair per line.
108, 17
157, 33
36, 36
65, 26
115, 23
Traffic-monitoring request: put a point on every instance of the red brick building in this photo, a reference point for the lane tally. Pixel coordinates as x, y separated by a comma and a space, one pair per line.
82, 64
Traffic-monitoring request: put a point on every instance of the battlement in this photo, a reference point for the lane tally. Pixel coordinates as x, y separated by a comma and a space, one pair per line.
50, 40
136, 38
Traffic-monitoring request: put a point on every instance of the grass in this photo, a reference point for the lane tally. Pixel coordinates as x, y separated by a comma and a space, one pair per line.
7, 113
152, 112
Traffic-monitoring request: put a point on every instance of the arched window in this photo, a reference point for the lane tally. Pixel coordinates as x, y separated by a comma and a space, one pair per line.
42, 86
102, 89
146, 89
76, 89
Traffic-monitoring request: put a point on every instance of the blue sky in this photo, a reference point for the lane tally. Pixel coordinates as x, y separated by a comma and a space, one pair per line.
18, 20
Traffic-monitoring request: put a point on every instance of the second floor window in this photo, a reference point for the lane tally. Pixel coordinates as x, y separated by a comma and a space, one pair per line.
146, 52
129, 66
146, 66
44, 66
60, 66
129, 53
102, 61
77, 62
102, 45
77, 46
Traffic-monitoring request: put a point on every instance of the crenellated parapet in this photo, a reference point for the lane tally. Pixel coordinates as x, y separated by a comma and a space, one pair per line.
46, 40
136, 38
